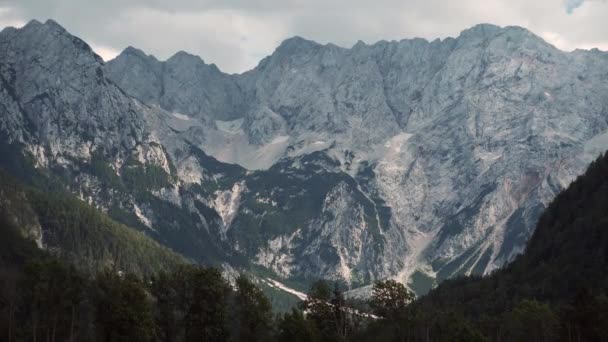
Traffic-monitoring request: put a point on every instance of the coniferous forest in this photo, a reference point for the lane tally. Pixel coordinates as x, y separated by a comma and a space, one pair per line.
97, 280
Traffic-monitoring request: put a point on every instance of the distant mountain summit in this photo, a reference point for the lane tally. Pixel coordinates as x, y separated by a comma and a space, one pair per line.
412, 159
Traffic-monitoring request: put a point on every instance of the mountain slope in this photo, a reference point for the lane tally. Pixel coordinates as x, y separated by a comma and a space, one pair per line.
64, 116
75, 232
555, 291
413, 159
567, 253
459, 144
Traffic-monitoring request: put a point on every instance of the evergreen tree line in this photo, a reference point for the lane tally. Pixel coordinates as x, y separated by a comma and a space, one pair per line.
77, 232
48, 300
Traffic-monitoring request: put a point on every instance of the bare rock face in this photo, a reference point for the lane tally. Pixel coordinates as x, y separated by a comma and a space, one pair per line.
58, 100
60, 111
413, 159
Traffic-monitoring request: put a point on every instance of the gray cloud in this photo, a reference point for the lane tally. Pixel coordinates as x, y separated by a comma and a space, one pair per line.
236, 34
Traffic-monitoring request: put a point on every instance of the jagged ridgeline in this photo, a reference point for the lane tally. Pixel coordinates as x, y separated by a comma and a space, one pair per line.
410, 159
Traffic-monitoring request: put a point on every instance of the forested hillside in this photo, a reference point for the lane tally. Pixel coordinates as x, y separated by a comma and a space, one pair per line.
78, 233
555, 291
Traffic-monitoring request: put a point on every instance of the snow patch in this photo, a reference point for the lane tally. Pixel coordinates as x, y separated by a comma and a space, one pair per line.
276, 284
227, 203
181, 116
279, 139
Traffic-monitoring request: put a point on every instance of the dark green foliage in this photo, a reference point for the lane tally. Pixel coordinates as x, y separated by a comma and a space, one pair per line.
389, 298
53, 302
319, 309
94, 240
134, 175
15, 252
294, 327
253, 316
15, 249
145, 177
100, 167
450, 327
123, 308
170, 296
53, 294
79, 233
207, 311
531, 321
182, 230
328, 310
586, 318
389, 301
191, 304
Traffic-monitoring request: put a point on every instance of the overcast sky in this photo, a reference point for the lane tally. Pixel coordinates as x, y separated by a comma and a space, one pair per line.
236, 34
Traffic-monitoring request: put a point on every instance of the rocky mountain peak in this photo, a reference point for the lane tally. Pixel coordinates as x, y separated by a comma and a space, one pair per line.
52, 24
185, 57
61, 96
482, 31
360, 45
408, 159
131, 51
51, 41
509, 38
296, 44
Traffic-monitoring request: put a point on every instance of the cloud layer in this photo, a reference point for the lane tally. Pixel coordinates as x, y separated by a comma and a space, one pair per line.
236, 34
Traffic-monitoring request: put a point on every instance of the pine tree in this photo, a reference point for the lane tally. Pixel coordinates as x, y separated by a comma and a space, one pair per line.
123, 308
294, 327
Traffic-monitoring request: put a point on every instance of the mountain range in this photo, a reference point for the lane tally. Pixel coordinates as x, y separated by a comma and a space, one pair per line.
409, 159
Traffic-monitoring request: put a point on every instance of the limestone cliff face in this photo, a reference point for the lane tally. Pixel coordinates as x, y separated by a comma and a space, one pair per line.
57, 100
411, 159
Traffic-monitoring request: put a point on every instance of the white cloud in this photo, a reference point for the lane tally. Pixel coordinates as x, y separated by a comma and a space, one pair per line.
8, 18
230, 39
105, 52
236, 34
